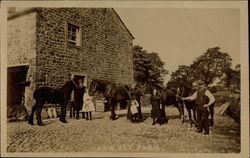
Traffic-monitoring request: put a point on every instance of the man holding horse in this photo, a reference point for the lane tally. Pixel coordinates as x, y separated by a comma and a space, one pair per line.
203, 99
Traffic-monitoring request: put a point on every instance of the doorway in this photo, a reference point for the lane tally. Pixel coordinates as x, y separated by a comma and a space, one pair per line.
16, 83
80, 76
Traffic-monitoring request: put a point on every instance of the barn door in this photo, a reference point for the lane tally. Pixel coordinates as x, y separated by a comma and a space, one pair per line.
16, 82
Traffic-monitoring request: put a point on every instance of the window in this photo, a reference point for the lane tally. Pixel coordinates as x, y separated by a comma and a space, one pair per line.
73, 35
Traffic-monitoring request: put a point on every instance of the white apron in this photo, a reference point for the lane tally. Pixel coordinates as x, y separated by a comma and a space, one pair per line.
88, 104
134, 105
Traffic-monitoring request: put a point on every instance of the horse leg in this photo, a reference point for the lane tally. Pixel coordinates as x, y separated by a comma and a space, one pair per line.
38, 115
70, 110
34, 108
74, 111
190, 117
179, 109
63, 112
194, 113
77, 112
181, 105
163, 115
129, 114
112, 106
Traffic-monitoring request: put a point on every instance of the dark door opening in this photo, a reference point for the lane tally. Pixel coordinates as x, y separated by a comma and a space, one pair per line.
77, 77
16, 82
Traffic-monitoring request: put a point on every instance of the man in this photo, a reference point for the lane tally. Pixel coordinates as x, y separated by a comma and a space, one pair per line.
203, 99
78, 98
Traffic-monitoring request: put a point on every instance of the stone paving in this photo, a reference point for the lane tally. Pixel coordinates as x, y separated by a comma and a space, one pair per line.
104, 135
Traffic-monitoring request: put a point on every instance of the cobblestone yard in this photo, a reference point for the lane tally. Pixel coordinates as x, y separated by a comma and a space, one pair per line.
104, 135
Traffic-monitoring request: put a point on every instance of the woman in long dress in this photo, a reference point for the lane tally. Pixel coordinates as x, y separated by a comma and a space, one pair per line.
88, 105
155, 101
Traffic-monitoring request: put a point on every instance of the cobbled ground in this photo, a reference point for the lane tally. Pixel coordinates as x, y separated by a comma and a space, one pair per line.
104, 135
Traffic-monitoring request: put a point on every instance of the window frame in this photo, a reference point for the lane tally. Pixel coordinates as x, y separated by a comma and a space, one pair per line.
68, 41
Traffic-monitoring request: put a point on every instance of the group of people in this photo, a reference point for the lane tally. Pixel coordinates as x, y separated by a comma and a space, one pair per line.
85, 106
157, 112
203, 99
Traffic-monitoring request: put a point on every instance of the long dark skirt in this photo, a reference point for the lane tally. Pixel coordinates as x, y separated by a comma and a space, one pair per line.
155, 102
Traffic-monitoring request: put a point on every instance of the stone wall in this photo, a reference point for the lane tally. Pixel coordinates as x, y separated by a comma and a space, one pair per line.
21, 48
21, 39
37, 37
106, 51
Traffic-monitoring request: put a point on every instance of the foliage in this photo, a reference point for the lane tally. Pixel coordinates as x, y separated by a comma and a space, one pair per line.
180, 77
213, 63
233, 77
207, 67
148, 67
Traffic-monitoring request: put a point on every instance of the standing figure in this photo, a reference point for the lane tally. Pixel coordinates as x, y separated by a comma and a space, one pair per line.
155, 101
78, 98
135, 117
88, 105
76, 101
203, 99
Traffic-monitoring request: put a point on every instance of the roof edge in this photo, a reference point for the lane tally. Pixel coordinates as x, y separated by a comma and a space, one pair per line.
21, 13
123, 23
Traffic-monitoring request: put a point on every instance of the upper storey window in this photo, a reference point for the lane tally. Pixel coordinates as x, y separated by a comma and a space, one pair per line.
73, 35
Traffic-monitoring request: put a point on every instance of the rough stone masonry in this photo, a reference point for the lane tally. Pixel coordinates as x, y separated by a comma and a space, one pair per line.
37, 37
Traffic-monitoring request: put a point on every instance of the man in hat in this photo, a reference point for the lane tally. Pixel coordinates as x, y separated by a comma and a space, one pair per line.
203, 99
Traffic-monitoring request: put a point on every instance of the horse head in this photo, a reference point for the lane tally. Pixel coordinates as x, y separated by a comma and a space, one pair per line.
93, 87
98, 86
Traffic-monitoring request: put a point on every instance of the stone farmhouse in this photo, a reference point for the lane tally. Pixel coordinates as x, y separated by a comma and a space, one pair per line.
47, 46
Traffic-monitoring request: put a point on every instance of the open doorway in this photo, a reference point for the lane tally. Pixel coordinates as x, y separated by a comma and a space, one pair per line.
16, 83
80, 76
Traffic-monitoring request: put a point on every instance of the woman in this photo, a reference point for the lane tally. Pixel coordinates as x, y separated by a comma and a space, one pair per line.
88, 105
155, 101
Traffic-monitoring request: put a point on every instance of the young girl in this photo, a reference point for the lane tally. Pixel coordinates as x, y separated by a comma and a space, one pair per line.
134, 110
88, 105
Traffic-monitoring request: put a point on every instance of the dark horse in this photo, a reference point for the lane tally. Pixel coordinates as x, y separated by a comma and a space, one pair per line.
168, 97
113, 94
185, 91
54, 96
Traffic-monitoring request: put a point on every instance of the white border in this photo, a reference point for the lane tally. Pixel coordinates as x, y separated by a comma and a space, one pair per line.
242, 5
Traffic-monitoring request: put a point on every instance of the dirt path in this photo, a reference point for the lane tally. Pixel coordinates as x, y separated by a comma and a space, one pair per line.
104, 135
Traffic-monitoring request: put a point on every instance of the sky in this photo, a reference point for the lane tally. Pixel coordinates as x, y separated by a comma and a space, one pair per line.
179, 35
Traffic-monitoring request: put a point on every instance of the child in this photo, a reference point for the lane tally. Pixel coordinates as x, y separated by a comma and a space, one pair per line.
134, 110
88, 105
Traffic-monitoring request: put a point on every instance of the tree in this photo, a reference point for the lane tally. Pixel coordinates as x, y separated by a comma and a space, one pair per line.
207, 67
233, 77
148, 67
213, 63
180, 77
